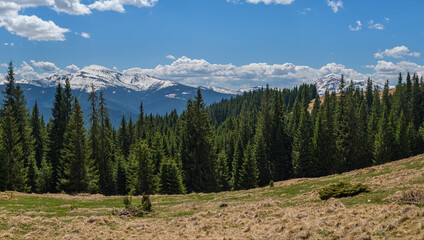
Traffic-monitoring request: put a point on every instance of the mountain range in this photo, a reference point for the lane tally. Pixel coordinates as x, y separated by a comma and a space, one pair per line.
125, 90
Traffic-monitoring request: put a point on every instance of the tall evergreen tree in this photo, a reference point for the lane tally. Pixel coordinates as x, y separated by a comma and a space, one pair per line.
196, 149
302, 148
93, 139
142, 178
236, 181
56, 137
74, 178
249, 170
104, 166
12, 154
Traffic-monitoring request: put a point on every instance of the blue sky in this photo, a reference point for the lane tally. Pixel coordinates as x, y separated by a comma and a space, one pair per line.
228, 43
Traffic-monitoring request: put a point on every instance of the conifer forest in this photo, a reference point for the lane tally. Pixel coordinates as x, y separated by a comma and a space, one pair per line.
248, 141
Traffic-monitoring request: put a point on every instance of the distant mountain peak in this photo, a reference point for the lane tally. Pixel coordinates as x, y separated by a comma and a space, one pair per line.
331, 83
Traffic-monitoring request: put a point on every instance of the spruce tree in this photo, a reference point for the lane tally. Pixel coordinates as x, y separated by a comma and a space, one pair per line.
121, 175
280, 148
74, 155
12, 154
196, 148
223, 176
38, 135
93, 140
302, 148
105, 149
142, 178
170, 180
249, 170
403, 145
56, 137
139, 123
236, 182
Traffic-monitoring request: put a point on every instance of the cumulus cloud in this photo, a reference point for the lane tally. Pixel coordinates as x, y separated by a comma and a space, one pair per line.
170, 57
118, 5
26, 72
335, 5
396, 52
72, 68
85, 35
373, 25
357, 27
45, 66
199, 72
71, 7
35, 28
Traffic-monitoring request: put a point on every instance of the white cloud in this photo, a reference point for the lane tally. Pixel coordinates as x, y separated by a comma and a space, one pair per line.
387, 19
396, 52
199, 72
71, 7
266, 2
170, 57
45, 66
335, 5
118, 5
5, 65
357, 28
373, 25
72, 68
305, 11
35, 28
26, 72
85, 35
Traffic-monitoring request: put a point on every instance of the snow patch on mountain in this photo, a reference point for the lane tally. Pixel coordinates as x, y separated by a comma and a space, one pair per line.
331, 83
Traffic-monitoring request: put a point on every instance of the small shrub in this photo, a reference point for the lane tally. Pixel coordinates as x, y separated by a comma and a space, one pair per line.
271, 183
342, 189
131, 210
413, 196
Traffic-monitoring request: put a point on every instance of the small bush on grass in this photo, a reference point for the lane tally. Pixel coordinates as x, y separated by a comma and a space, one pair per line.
131, 210
342, 189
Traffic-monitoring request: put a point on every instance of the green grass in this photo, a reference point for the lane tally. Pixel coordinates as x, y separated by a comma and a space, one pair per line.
169, 207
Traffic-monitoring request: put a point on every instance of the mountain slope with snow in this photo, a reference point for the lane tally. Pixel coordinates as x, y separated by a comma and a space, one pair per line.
123, 91
331, 83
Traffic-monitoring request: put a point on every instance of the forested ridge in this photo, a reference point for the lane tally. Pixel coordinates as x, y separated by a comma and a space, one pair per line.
240, 143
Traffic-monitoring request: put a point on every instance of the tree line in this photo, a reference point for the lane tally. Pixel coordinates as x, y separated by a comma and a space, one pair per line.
240, 143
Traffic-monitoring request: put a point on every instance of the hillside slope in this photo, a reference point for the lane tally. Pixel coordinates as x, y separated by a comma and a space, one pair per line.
289, 210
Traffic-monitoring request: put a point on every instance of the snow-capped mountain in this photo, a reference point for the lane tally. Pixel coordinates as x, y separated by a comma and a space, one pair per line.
331, 83
123, 91
102, 77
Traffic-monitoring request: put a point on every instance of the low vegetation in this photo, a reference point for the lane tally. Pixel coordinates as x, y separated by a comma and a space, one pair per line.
342, 189
291, 209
